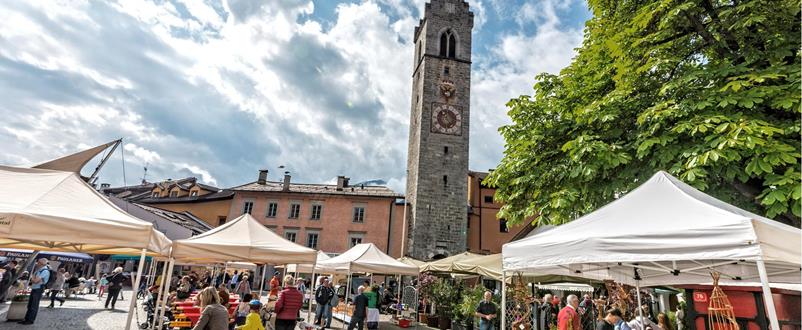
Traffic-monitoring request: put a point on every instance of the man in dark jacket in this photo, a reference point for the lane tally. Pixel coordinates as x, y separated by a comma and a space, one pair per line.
323, 296
360, 310
548, 316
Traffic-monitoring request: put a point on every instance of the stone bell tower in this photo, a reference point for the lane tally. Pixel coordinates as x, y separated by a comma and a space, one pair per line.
437, 165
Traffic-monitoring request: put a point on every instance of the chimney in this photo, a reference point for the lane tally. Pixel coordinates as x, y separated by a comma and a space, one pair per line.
286, 181
342, 182
262, 177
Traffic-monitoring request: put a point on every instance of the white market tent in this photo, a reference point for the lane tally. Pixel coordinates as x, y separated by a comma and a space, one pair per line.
53, 210
671, 233
307, 268
365, 258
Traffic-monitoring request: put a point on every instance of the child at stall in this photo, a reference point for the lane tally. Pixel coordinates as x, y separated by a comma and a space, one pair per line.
253, 321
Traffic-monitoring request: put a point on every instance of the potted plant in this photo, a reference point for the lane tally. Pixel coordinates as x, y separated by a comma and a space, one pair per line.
446, 296
465, 311
425, 282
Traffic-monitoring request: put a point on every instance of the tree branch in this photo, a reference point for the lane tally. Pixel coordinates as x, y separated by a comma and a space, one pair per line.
729, 39
706, 35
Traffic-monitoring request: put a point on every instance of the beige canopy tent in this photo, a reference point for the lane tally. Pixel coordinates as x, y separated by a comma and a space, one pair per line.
446, 265
57, 211
243, 239
307, 268
411, 261
488, 266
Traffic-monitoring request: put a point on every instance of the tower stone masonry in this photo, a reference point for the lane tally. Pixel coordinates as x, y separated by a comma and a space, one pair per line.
437, 165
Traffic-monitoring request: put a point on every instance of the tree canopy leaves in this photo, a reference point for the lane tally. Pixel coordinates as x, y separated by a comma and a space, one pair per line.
706, 90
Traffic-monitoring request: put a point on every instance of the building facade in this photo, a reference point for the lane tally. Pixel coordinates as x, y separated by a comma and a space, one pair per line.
487, 233
438, 133
329, 218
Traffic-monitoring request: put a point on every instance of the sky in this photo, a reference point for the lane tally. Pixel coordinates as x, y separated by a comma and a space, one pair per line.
220, 89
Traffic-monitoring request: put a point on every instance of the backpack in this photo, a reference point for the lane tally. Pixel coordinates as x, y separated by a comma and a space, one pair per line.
51, 280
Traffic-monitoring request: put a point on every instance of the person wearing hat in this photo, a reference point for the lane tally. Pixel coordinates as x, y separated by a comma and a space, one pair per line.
253, 321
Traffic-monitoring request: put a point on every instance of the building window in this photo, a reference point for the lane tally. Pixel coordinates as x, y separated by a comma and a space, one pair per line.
445, 180
247, 207
193, 193
311, 240
359, 214
221, 221
354, 239
445, 150
295, 210
317, 209
448, 44
488, 199
446, 71
272, 209
502, 226
173, 194
417, 53
155, 195
290, 235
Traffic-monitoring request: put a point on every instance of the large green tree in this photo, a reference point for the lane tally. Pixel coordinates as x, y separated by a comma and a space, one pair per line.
706, 90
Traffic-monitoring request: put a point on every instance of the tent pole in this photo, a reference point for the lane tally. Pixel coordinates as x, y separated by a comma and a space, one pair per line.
347, 294
312, 295
154, 271
399, 285
767, 298
262, 283
162, 289
163, 298
503, 300
132, 305
640, 305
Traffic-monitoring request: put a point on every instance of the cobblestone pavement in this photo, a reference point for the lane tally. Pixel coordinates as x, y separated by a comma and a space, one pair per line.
87, 313
78, 313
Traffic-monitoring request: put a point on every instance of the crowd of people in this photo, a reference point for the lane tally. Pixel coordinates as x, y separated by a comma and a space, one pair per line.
56, 284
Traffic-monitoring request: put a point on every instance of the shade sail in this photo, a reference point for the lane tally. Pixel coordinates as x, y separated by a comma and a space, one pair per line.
243, 239
446, 265
307, 268
57, 211
365, 258
671, 232
76, 161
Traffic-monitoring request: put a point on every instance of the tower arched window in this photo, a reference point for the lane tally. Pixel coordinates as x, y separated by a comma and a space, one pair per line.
448, 44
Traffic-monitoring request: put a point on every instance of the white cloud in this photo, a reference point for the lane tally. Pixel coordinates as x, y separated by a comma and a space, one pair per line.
205, 176
143, 155
221, 90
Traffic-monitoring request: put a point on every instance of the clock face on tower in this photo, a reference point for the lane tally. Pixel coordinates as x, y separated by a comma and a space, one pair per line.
446, 119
